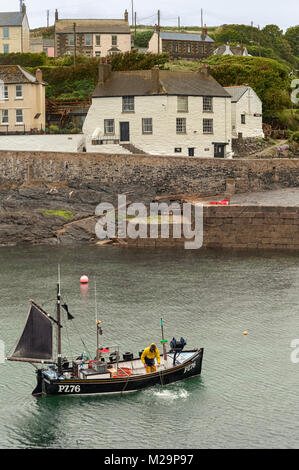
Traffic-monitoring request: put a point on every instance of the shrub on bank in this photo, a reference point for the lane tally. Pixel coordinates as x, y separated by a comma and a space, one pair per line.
26, 59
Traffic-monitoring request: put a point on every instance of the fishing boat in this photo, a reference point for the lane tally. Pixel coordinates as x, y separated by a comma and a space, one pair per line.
107, 372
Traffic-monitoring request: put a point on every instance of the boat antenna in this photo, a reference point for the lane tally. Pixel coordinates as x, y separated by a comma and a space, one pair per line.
59, 357
164, 341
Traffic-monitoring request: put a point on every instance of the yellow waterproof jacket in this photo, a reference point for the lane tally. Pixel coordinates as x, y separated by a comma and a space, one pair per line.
151, 355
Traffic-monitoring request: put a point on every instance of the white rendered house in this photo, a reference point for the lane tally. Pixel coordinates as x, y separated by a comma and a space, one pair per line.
227, 49
159, 112
247, 109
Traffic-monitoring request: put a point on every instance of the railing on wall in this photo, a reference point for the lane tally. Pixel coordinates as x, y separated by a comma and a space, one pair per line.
23, 130
106, 141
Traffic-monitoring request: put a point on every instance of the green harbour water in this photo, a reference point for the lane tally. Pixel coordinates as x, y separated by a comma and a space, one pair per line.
247, 396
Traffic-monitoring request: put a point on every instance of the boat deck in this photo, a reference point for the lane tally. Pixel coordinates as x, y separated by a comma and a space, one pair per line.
137, 368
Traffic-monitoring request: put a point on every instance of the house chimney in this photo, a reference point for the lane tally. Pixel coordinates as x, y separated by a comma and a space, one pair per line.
104, 73
155, 79
24, 8
205, 70
204, 32
56, 15
39, 75
127, 16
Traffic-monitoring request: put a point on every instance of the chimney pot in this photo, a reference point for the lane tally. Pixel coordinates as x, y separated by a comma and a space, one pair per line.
155, 79
204, 32
205, 70
56, 15
104, 73
127, 16
23, 8
39, 75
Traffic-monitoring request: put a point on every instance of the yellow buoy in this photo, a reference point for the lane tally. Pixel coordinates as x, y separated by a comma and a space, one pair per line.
245, 333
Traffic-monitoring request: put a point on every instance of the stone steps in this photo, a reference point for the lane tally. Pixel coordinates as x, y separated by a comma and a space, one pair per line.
133, 150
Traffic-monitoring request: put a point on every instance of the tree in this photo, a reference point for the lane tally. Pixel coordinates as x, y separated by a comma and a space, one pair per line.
267, 77
273, 30
142, 38
292, 36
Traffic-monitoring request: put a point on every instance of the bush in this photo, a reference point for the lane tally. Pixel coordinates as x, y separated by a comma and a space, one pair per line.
135, 60
269, 79
54, 129
27, 59
295, 137
79, 81
142, 38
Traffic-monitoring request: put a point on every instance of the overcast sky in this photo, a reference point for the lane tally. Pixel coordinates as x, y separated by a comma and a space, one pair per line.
283, 13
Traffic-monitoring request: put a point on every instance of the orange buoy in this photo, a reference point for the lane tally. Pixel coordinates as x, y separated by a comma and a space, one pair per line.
84, 280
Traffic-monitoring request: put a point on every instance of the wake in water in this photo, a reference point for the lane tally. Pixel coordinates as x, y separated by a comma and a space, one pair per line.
170, 394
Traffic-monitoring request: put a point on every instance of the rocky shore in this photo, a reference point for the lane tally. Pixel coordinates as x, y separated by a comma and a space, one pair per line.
36, 212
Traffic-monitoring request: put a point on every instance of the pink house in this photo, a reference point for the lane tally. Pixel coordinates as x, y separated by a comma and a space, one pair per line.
48, 47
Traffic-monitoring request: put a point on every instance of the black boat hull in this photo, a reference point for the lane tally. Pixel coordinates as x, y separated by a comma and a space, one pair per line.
188, 369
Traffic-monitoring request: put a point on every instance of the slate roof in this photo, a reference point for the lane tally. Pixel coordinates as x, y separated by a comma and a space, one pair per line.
11, 18
185, 37
92, 26
16, 74
236, 92
48, 42
36, 40
140, 83
226, 49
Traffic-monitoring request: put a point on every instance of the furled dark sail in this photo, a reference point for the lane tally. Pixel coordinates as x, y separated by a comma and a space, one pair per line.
36, 342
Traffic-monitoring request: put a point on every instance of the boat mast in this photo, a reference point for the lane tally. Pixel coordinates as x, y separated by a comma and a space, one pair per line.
59, 358
96, 315
98, 322
164, 341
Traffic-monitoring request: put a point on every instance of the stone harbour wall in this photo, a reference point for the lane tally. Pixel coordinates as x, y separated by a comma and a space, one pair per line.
239, 227
156, 174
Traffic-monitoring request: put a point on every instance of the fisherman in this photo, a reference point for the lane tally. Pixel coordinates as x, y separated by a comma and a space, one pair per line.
148, 358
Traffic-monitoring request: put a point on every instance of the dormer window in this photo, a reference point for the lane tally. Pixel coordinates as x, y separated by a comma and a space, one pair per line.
182, 104
128, 104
